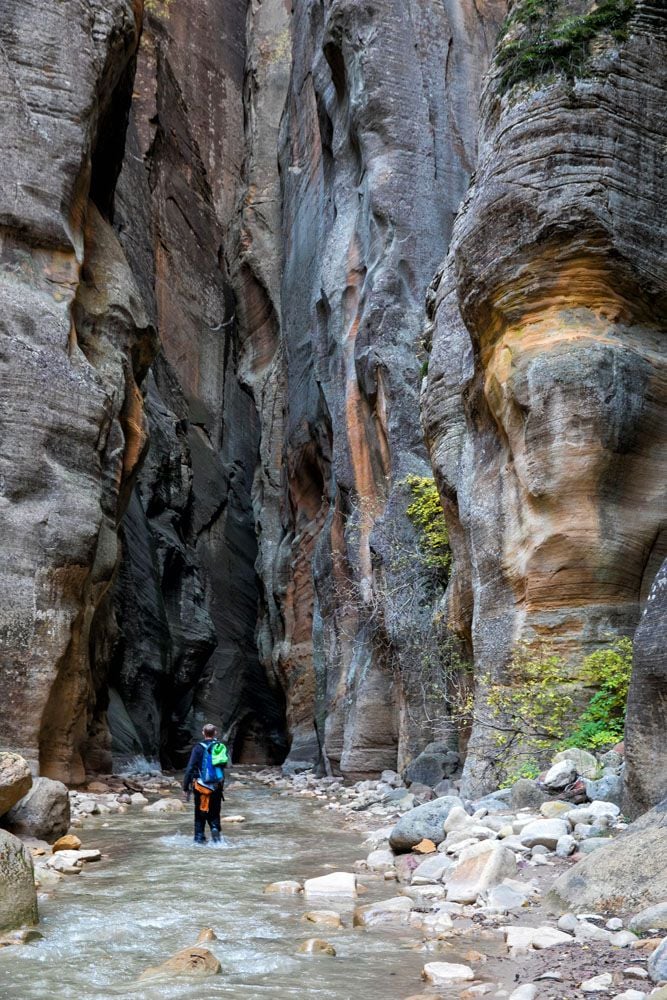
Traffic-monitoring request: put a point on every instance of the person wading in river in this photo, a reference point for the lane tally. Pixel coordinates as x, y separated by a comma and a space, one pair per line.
205, 777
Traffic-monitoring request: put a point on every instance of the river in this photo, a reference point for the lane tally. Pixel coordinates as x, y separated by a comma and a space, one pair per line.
153, 892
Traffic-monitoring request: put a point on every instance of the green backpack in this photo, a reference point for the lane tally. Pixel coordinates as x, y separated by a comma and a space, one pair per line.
219, 755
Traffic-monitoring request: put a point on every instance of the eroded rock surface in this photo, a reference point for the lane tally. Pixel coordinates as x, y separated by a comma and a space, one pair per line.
76, 342
545, 402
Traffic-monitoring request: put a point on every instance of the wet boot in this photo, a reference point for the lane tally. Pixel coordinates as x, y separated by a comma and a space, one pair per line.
215, 834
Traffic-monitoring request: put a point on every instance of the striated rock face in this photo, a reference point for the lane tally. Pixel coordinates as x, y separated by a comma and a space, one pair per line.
376, 146
189, 653
646, 722
545, 403
75, 343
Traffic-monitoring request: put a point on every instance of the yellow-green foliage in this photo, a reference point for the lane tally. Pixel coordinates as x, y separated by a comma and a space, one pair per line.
533, 713
160, 8
426, 513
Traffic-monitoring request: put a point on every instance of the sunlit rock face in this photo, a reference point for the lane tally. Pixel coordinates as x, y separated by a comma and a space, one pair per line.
376, 145
545, 403
76, 343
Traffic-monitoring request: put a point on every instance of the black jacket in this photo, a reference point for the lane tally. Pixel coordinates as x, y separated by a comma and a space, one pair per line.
194, 764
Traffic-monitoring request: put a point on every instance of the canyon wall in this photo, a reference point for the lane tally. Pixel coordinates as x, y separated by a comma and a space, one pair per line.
545, 402
219, 223
76, 344
337, 245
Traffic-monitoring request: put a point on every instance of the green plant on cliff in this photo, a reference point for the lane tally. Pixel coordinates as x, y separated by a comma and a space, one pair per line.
533, 713
160, 8
426, 514
603, 720
550, 43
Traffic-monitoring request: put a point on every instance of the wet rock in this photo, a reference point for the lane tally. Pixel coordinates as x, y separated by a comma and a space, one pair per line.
70, 842
650, 918
285, 888
65, 862
395, 911
22, 936
43, 812
629, 871
206, 934
165, 806
479, 867
657, 963
423, 822
546, 832
15, 780
316, 946
560, 775
527, 794
235, 818
327, 918
138, 799
334, 884
18, 897
598, 984
444, 973
195, 963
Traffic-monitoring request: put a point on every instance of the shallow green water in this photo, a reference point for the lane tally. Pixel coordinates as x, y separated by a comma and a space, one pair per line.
155, 892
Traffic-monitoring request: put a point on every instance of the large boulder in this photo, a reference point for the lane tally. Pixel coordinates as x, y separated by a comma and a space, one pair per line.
432, 766
18, 897
630, 872
425, 822
646, 720
479, 868
15, 780
43, 813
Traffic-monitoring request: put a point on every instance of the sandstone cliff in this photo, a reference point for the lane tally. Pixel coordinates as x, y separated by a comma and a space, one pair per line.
76, 343
545, 402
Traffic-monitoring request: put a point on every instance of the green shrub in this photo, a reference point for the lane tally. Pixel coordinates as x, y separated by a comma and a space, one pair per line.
603, 720
426, 514
557, 45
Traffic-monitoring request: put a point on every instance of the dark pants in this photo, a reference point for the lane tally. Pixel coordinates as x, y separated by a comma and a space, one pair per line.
212, 817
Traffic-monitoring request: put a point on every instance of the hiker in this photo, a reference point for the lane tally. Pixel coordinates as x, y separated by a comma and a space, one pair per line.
206, 777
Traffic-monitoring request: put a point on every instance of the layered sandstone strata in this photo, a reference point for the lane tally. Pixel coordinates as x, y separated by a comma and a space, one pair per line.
76, 343
545, 403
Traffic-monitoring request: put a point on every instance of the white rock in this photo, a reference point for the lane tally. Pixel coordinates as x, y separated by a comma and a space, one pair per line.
544, 831
560, 774
503, 898
431, 869
479, 867
566, 846
568, 922
526, 992
550, 937
435, 923
635, 972
394, 911
380, 860
443, 973
598, 984
586, 763
592, 811
622, 939
631, 995
236, 818
457, 818
335, 884
589, 932
165, 806
614, 924
137, 799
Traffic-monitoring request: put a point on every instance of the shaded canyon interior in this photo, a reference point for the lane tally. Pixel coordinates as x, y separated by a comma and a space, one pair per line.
263, 261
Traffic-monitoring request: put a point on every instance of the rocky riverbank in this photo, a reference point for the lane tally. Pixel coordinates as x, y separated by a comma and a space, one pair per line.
496, 892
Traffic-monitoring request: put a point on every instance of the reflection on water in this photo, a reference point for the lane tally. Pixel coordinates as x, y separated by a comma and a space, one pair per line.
157, 890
